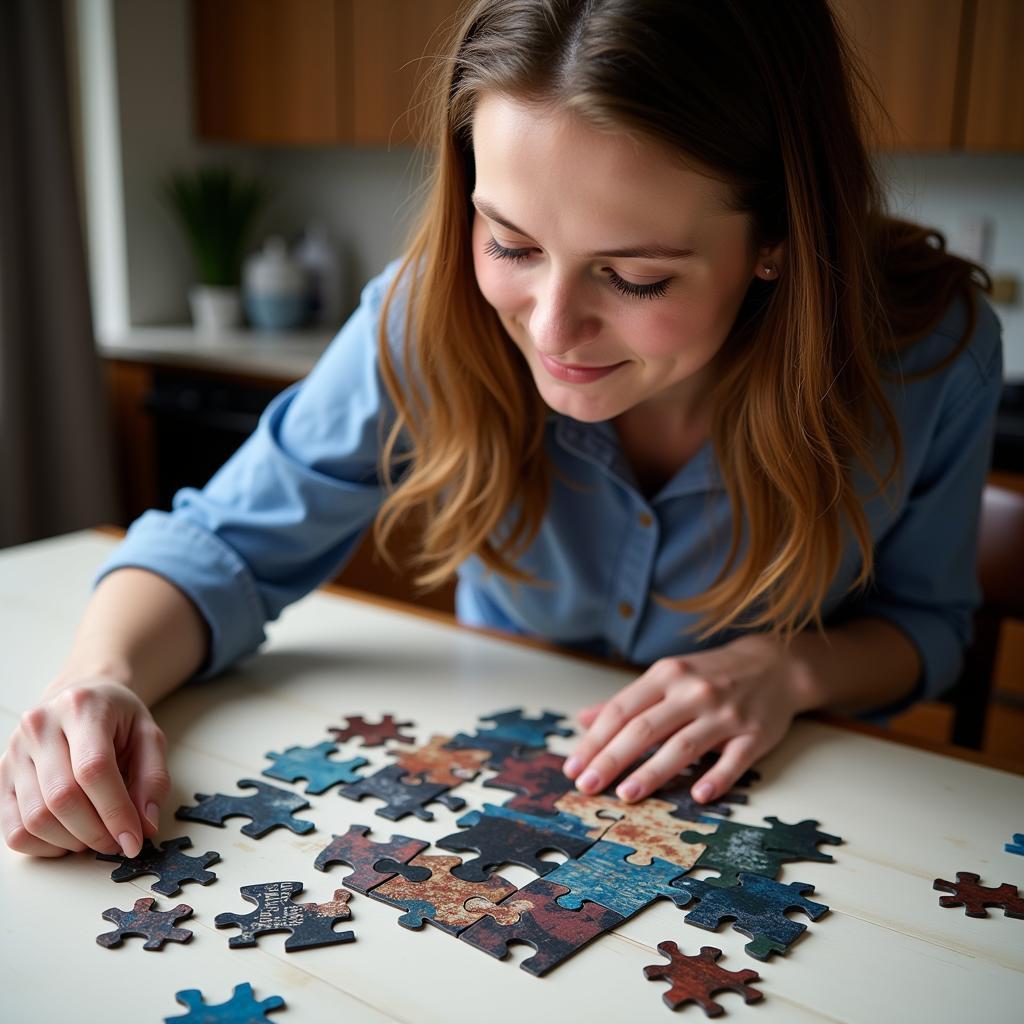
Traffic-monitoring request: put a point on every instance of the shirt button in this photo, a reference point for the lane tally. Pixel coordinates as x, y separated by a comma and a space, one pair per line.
645, 519
625, 609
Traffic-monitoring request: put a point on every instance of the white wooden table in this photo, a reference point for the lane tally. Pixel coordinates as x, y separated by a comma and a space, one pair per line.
886, 952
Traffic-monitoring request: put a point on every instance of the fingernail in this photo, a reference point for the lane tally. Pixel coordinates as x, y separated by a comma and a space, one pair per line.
702, 791
130, 846
588, 780
572, 766
628, 790
153, 814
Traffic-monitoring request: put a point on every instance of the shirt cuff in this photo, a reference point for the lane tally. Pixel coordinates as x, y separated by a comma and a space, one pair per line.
209, 572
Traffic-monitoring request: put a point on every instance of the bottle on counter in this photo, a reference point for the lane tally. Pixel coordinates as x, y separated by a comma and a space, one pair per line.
274, 288
324, 275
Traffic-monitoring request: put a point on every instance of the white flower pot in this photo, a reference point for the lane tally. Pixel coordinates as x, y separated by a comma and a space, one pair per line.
215, 308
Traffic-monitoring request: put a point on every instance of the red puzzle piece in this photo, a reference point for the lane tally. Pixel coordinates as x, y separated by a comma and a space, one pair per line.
974, 898
697, 978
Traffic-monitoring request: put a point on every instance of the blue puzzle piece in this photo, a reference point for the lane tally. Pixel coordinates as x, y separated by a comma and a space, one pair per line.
314, 764
530, 732
604, 876
561, 822
1017, 846
241, 1008
757, 906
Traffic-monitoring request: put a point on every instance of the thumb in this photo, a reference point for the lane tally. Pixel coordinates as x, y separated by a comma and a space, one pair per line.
150, 782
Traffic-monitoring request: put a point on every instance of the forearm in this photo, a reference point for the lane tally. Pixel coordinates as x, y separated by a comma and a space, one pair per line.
865, 663
139, 630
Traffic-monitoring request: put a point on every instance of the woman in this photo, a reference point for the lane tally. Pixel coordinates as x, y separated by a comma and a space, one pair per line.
660, 377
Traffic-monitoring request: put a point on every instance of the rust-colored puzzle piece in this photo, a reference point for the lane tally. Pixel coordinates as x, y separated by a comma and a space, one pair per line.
537, 778
354, 848
697, 978
373, 734
598, 810
652, 829
434, 763
442, 899
556, 933
974, 898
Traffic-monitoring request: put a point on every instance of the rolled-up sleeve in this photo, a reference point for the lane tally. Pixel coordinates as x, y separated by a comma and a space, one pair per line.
925, 580
288, 508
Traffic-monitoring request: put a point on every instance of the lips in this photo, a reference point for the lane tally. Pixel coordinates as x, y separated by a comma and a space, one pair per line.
574, 373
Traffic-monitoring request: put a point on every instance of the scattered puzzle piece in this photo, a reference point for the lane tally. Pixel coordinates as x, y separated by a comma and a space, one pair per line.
437, 763
974, 897
440, 898
241, 1008
603, 875
363, 854
503, 840
315, 765
173, 866
269, 807
373, 734
158, 926
311, 924
758, 907
400, 796
697, 978
1017, 846
537, 777
555, 933
530, 732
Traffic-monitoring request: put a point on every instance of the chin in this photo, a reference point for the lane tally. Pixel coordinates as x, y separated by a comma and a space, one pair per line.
578, 404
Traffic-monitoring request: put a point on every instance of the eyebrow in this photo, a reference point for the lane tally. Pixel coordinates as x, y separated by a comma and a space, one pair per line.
651, 251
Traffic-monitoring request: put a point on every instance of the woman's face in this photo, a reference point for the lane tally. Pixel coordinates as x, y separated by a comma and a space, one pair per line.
603, 333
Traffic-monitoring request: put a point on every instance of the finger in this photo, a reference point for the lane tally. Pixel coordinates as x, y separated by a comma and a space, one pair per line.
680, 750
94, 763
17, 837
65, 798
738, 754
641, 694
36, 817
587, 715
149, 779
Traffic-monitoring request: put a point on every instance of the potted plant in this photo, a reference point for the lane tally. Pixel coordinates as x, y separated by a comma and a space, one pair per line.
217, 209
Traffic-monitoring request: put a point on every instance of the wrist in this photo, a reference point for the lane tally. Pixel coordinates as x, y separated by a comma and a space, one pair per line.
801, 679
79, 672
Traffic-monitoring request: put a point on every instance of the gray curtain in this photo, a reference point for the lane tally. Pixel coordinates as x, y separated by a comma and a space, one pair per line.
56, 464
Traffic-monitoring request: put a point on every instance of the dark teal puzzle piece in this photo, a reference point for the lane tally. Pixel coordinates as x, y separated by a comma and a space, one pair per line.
315, 765
514, 725
241, 1008
269, 807
173, 866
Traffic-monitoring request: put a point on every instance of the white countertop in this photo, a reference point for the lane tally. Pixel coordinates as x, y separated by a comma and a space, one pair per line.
288, 355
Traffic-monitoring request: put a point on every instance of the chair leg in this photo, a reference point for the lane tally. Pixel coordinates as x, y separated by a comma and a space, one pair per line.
973, 690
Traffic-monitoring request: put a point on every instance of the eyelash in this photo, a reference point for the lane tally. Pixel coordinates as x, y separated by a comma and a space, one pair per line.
636, 291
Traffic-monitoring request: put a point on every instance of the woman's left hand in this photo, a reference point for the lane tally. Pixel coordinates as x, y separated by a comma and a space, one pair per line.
739, 698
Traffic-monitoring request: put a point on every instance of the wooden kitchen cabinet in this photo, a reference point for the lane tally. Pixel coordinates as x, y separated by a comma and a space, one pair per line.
995, 96
311, 72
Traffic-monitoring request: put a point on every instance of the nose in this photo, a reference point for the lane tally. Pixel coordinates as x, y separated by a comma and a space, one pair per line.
560, 320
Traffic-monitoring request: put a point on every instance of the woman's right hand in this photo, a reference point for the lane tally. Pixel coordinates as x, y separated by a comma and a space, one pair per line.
85, 769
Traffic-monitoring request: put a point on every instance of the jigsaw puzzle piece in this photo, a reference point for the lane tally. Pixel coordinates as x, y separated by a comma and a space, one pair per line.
157, 926
652, 830
1017, 846
529, 732
598, 810
757, 906
311, 924
498, 750
697, 978
504, 840
677, 792
241, 1008
171, 865
435, 762
537, 778
974, 897
373, 734
799, 841
602, 875
559, 822
733, 848
401, 797
368, 857
269, 807
440, 898
315, 765
554, 932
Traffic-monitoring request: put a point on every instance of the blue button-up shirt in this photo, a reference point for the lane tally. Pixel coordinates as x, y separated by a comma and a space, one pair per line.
287, 509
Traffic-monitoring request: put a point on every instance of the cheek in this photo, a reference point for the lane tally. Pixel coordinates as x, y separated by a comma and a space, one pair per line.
495, 279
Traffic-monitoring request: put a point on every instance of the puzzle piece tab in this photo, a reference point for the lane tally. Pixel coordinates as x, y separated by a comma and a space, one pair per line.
241, 1008
311, 924
373, 734
363, 854
172, 866
974, 897
315, 765
157, 926
401, 797
269, 807
697, 978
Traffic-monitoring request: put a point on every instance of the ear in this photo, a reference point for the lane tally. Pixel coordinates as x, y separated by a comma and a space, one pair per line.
771, 260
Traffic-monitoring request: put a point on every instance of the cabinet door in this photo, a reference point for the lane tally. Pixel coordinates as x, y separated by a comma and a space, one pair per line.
269, 71
995, 99
911, 49
396, 41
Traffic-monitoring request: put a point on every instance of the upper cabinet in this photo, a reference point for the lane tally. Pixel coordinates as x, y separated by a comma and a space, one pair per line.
312, 72
947, 71
330, 72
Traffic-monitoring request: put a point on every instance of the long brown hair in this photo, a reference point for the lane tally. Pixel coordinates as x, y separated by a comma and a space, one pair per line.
770, 99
